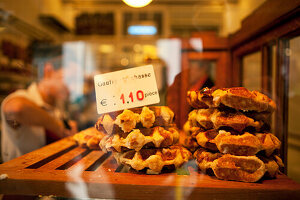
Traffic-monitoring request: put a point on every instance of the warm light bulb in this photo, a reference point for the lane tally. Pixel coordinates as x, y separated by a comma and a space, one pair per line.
137, 3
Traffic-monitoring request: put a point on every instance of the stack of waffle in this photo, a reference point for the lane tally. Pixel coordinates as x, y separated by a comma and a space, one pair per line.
143, 138
229, 133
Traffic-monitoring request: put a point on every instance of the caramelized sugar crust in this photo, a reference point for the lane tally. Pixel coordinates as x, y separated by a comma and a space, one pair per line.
157, 137
154, 159
238, 98
129, 119
237, 168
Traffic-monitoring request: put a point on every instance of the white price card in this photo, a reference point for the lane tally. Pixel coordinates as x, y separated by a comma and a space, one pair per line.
125, 89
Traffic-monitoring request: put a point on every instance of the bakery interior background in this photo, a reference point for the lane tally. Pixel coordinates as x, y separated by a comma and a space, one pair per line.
98, 36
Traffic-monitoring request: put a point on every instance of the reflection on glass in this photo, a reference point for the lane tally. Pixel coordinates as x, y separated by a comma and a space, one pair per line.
201, 74
170, 51
252, 71
294, 111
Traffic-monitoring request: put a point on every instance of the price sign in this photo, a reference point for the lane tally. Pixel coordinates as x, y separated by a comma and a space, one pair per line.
124, 89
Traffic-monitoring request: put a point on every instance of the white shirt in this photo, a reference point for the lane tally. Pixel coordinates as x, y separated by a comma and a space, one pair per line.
24, 139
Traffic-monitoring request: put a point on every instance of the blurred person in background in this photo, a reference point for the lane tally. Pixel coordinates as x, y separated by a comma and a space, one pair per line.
86, 112
199, 78
31, 118
199, 75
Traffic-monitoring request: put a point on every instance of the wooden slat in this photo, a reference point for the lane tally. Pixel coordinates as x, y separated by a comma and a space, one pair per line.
88, 160
97, 164
50, 158
63, 159
40, 154
110, 164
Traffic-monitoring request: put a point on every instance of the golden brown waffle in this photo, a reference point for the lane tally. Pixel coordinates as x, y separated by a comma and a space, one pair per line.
156, 137
200, 99
154, 159
238, 168
186, 138
259, 116
189, 129
240, 145
238, 98
127, 120
206, 139
205, 159
272, 164
89, 138
215, 119
270, 143
187, 141
190, 143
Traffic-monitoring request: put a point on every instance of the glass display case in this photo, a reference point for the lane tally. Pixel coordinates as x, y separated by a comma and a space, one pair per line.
226, 74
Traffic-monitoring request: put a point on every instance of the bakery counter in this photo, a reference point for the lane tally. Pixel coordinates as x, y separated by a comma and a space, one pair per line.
63, 169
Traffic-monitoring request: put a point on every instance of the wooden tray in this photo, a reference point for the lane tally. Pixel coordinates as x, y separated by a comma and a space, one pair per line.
63, 169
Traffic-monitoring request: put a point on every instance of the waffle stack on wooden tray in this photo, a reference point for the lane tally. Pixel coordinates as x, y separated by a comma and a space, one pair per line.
143, 138
228, 131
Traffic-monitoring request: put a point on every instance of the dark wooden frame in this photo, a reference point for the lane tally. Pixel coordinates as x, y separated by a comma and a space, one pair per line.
274, 22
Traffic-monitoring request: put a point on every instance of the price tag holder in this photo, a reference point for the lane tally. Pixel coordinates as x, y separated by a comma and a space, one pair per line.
125, 89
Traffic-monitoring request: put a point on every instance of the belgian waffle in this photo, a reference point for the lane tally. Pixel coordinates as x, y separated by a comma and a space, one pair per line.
89, 138
154, 159
238, 168
206, 139
240, 145
205, 159
189, 129
214, 119
156, 137
186, 138
238, 98
200, 99
270, 143
127, 120
273, 165
191, 144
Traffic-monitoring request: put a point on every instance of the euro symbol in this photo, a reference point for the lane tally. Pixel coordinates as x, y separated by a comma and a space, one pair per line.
103, 102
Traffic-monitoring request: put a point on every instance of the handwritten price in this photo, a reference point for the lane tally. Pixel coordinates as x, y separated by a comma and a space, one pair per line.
139, 96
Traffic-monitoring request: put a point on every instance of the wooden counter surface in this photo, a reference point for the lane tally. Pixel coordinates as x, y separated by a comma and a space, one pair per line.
66, 170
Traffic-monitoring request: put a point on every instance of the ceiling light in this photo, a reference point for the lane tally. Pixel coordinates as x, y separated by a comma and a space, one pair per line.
137, 3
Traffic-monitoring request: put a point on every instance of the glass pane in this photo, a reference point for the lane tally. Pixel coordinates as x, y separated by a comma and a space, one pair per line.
50, 52
251, 71
294, 111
